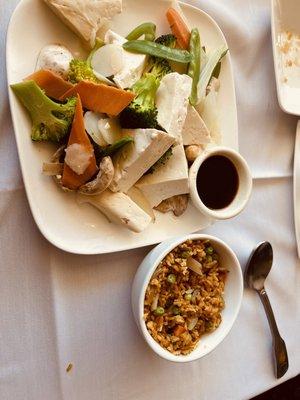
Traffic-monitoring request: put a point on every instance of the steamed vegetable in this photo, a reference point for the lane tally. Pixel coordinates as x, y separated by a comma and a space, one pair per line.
98, 44
50, 120
179, 28
56, 58
158, 50
53, 84
91, 120
208, 71
148, 29
78, 136
142, 112
80, 70
194, 66
101, 98
108, 60
113, 148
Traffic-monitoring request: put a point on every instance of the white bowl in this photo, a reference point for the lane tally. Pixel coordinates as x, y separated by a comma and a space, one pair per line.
232, 296
244, 188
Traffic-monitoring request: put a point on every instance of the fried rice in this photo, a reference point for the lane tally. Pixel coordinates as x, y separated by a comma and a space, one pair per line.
180, 304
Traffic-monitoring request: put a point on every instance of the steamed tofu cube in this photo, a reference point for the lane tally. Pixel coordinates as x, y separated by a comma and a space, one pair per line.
168, 180
132, 161
133, 64
194, 130
119, 208
172, 101
86, 18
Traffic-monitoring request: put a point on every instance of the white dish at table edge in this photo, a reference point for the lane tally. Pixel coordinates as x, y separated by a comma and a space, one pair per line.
232, 295
80, 229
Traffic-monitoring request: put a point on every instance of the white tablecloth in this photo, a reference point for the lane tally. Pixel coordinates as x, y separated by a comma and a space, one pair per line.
57, 308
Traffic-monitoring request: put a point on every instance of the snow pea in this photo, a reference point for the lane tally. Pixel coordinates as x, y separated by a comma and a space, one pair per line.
195, 64
157, 50
147, 28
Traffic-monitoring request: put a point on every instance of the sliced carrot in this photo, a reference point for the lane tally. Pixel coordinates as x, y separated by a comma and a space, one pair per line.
78, 135
179, 330
179, 28
101, 98
53, 84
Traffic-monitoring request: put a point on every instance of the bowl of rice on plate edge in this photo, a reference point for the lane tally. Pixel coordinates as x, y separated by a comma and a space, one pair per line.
186, 296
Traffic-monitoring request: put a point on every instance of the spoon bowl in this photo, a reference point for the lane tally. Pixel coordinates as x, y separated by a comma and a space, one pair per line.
259, 266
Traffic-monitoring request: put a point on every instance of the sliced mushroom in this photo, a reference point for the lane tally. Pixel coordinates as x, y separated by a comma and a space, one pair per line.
52, 169
192, 152
102, 180
177, 204
57, 155
55, 159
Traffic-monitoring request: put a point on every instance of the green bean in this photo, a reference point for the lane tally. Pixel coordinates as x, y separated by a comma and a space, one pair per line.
147, 28
157, 50
194, 66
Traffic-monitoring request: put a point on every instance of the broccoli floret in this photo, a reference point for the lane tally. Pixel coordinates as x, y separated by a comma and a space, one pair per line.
50, 120
81, 70
167, 40
159, 67
142, 112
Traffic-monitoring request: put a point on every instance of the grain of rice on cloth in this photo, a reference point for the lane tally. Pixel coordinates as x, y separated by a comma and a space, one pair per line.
182, 305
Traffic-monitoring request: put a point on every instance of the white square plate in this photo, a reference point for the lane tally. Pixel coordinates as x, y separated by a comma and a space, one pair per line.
77, 228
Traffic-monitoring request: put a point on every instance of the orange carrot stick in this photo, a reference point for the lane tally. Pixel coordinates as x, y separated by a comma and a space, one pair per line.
78, 135
179, 28
53, 84
101, 98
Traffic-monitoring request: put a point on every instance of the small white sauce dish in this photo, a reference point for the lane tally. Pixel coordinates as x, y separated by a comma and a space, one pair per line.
232, 296
244, 188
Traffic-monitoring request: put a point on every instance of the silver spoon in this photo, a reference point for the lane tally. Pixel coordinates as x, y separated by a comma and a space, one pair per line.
258, 268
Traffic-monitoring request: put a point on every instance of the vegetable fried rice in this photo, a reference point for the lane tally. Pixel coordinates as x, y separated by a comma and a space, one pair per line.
184, 298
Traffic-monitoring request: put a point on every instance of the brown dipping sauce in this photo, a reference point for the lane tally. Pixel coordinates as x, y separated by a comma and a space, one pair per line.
217, 182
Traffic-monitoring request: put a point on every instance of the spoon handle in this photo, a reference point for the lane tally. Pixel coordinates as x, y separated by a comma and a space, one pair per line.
280, 352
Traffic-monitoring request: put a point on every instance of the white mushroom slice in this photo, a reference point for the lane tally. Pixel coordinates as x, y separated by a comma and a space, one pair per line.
56, 159
91, 120
78, 158
52, 169
110, 129
108, 60
102, 181
119, 208
177, 204
56, 58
